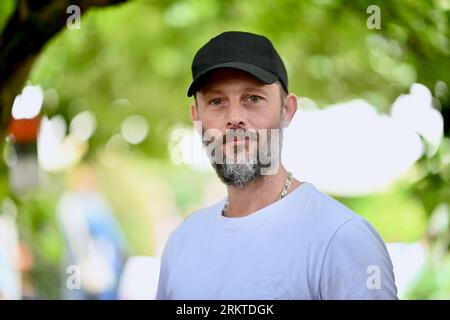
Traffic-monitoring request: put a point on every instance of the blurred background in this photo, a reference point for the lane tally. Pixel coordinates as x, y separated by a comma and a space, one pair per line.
99, 161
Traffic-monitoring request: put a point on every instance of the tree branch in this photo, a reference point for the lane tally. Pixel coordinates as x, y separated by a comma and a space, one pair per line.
30, 27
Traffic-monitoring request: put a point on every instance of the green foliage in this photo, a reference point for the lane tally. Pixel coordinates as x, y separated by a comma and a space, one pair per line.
135, 59
433, 282
389, 211
142, 51
6, 8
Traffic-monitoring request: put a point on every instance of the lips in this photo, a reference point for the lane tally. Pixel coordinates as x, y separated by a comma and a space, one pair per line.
237, 140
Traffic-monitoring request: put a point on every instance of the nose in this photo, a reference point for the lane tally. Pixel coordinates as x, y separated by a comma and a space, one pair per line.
235, 116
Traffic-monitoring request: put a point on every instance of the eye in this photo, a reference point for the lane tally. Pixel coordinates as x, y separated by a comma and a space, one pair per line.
216, 101
254, 99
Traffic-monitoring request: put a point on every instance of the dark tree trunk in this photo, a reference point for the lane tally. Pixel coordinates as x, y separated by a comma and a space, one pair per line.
31, 25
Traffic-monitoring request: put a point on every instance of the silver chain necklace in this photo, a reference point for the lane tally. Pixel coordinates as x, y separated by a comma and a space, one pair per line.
283, 193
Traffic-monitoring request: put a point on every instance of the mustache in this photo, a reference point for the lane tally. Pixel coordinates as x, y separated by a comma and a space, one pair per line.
235, 134
240, 134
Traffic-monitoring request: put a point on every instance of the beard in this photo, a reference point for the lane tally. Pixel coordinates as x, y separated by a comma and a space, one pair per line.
242, 166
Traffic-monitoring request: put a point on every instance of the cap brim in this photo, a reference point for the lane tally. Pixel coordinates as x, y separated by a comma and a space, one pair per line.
261, 74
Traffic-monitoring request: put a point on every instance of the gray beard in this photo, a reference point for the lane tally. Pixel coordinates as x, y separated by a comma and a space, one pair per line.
239, 174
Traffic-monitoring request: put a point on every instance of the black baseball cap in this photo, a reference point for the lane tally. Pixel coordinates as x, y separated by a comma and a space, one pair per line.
243, 51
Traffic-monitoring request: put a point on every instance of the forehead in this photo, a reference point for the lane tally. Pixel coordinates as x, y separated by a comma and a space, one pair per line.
226, 78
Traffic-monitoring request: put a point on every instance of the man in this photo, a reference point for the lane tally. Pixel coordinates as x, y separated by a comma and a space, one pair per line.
273, 237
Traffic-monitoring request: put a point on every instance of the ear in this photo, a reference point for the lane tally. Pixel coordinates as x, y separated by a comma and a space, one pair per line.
290, 108
194, 113
195, 118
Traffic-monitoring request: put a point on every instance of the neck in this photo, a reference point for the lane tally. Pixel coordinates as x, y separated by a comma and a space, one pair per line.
263, 191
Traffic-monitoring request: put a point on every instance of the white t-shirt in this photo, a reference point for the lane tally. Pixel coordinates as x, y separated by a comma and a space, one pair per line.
304, 246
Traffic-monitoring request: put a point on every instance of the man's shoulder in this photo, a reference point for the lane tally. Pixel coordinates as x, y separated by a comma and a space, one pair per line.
343, 226
198, 220
325, 209
204, 215
327, 219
